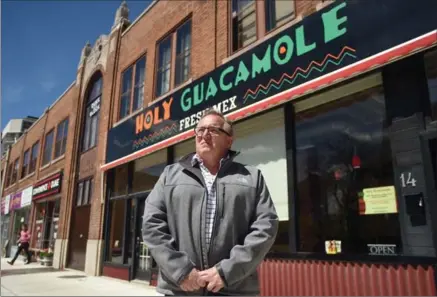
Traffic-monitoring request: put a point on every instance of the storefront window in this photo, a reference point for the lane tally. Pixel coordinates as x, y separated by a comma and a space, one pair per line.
54, 223
184, 148
147, 171
117, 225
40, 225
21, 216
431, 72
120, 181
346, 198
270, 157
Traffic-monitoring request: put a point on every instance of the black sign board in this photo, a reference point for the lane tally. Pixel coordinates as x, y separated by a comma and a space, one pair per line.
48, 186
340, 35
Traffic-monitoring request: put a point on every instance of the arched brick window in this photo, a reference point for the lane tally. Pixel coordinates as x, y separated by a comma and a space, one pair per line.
92, 114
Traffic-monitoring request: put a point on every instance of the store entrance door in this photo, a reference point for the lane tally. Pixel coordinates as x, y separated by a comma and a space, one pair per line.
79, 237
429, 151
143, 261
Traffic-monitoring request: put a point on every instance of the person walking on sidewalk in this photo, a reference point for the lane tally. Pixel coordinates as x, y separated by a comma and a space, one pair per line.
209, 221
23, 244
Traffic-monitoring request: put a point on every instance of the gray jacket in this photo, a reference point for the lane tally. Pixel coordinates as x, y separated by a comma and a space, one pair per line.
244, 230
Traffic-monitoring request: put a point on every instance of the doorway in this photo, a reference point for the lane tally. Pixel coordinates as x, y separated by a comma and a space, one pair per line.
143, 263
80, 221
429, 151
79, 237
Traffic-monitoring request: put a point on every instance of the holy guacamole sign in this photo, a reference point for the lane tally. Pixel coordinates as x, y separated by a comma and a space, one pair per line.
344, 33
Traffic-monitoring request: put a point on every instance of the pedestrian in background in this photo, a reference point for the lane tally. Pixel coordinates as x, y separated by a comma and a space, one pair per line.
210, 221
23, 244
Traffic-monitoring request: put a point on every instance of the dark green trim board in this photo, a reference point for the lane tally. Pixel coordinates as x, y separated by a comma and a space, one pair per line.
340, 41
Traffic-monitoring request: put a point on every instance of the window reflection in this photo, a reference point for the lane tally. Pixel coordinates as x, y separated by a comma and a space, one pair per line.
147, 171
342, 148
117, 208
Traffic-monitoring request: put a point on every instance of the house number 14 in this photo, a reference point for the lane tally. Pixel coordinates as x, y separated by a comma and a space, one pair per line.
407, 181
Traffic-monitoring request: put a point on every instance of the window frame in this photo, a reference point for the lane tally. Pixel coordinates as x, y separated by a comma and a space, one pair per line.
26, 163
266, 11
132, 87
63, 140
261, 23
9, 170
172, 37
258, 34
33, 157
183, 54
15, 170
87, 135
80, 190
46, 147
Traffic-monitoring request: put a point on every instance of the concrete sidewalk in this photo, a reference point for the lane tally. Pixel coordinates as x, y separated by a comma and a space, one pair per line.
37, 280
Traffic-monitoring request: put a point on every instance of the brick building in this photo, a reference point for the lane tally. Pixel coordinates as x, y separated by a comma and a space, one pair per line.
338, 112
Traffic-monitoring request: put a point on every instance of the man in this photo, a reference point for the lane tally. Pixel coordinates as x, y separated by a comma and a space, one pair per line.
209, 221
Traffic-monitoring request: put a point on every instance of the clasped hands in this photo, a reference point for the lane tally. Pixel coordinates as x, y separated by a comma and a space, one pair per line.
199, 279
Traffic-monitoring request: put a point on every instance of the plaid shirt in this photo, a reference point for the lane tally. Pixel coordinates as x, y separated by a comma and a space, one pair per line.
211, 202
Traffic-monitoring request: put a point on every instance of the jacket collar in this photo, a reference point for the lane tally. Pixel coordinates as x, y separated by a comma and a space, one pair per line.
187, 160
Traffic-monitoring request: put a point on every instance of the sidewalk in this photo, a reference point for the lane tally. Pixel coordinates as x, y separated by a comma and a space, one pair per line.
37, 280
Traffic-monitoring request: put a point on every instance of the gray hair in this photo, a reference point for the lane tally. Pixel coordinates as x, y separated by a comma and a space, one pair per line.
228, 125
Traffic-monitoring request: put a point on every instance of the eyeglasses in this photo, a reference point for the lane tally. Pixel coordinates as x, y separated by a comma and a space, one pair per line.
200, 131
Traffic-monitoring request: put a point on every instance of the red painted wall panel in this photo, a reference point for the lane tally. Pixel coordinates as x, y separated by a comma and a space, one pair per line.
116, 272
304, 278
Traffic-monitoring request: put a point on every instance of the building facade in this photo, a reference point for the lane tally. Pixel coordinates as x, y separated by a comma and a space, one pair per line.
335, 102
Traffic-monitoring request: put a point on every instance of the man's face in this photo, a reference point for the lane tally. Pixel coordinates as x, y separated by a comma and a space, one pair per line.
212, 139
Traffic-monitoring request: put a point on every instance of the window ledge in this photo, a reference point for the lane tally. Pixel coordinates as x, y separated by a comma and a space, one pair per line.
128, 117
323, 4
45, 166
269, 35
88, 149
27, 176
169, 93
10, 186
58, 159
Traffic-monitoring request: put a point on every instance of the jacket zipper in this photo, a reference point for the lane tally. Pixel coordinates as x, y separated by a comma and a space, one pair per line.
204, 291
214, 224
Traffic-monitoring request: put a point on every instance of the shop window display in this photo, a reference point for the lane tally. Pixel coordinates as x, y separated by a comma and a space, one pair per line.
346, 200
46, 225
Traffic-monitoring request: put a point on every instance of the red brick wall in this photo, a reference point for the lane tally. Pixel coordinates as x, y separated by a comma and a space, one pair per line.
63, 108
159, 21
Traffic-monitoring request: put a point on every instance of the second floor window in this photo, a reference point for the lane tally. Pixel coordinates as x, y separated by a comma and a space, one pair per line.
243, 23
92, 115
164, 67
25, 166
252, 20
61, 138
9, 174
84, 192
174, 55
48, 147
15, 171
33, 157
278, 12
135, 73
183, 53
